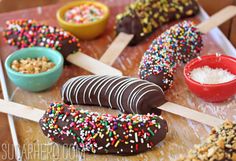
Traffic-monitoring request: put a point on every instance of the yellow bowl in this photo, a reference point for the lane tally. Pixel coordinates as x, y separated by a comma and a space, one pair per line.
86, 31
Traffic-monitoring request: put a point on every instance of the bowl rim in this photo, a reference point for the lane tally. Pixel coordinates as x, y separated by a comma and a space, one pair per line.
76, 3
195, 60
55, 68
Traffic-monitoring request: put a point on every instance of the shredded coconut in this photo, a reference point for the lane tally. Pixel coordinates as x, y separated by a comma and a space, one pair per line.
207, 75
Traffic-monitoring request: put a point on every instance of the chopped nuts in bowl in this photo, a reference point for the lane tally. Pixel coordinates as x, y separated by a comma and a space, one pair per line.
34, 69
32, 65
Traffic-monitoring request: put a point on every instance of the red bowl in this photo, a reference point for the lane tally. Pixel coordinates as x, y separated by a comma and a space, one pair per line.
212, 92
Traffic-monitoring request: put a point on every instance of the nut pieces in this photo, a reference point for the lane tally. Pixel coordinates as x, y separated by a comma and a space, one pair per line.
32, 65
220, 145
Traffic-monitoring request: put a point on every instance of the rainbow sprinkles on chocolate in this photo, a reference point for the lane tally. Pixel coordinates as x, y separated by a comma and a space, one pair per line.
25, 33
125, 134
178, 44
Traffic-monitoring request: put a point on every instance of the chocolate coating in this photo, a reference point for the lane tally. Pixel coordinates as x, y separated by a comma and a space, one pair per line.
129, 95
142, 17
125, 134
163, 79
28, 33
178, 44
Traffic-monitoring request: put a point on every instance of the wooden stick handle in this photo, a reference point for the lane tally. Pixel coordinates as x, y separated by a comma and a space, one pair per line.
92, 65
34, 114
217, 19
191, 114
115, 49
123, 39
21, 111
6, 97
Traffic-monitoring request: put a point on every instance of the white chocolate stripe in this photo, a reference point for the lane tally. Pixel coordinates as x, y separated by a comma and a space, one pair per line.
100, 89
80, 84
136, 94
94, 81
111, 91
131, 94
68, 93
64, 88
117, 78
141, 97
99, 84
77, 88
113, 88
99, 93
109, 79
120, 93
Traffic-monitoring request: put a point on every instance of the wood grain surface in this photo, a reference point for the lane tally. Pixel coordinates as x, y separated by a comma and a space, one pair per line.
183, 133
5, 139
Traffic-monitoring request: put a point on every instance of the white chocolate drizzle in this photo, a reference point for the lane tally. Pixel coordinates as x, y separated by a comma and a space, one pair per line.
123, 93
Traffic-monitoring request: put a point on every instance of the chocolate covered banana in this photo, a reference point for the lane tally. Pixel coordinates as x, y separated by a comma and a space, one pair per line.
129, 95
28, 33
125, 134
142, 17
178, 44
25, 33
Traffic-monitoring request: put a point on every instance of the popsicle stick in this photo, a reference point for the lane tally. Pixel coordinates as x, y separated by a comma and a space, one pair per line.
123, 39
35, 114
22, 111
92, 65
217, 19
10, 117
191, 114
117, 46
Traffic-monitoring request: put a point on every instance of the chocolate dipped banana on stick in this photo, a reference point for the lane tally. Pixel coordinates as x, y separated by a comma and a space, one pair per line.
129, 95
143, 17
28, 33
62, 124
92, 132
178, 44
125, 134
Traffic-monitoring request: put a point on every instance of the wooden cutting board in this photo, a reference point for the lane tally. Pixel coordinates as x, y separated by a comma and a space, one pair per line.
182, 135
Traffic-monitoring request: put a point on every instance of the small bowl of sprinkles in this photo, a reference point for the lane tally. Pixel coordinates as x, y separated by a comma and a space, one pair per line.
85, 19
34, 69
212, 77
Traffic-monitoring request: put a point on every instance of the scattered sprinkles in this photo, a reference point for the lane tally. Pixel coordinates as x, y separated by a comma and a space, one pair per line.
177, 45
28, 33
102, 133
84, 13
